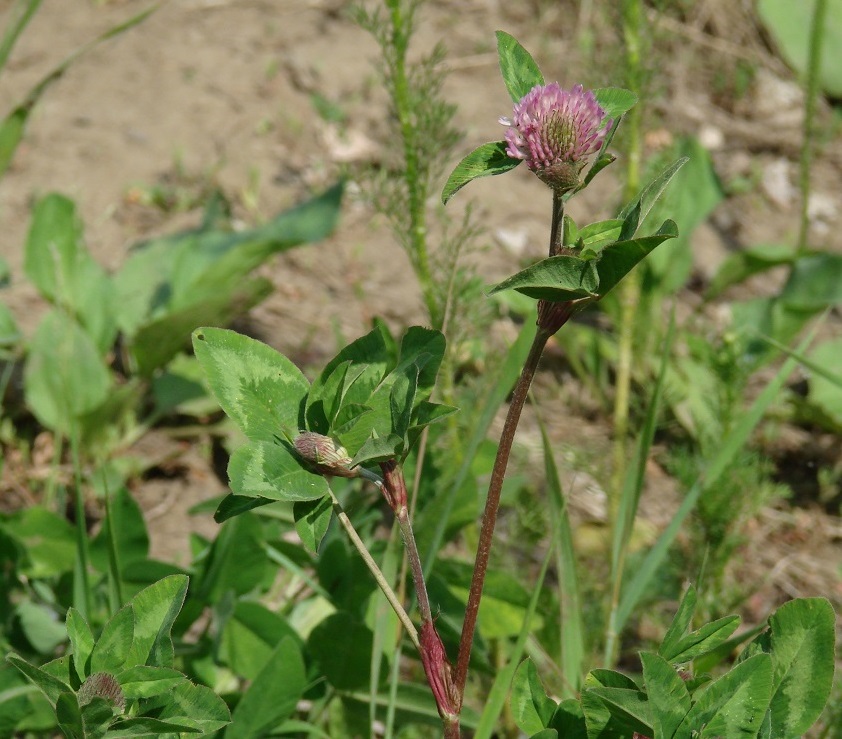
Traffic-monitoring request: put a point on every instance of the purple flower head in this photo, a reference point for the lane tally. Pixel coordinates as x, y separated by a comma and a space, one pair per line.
554, 131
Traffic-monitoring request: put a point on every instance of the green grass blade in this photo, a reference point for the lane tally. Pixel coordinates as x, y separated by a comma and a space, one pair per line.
115, 595
572, 636
731, 445
496, 698
12, 127
15, 28
630, 498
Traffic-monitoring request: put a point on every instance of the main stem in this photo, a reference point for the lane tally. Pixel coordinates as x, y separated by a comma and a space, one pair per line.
551, 316
492, 503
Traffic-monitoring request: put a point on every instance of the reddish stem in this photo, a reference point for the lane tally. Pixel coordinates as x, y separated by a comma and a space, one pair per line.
492, 504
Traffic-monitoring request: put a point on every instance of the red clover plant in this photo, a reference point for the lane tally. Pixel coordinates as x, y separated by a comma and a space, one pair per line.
370, 404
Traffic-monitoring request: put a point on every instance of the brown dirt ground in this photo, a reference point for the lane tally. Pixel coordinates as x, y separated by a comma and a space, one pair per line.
219, 91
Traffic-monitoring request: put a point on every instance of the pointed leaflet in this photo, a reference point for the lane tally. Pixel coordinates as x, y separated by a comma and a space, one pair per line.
556, 279
112, 648
615, 101
484, 161
668, 695
81, 642
51, 686
618, 259
701, 641
531, 708
272, 695
519, 70
259, 388
368, 359
155, 609
312, 518
639, 207
734, 704
680, 622
802, 636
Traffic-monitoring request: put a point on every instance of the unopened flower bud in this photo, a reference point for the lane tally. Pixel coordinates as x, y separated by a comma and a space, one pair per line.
324, 454
102, 685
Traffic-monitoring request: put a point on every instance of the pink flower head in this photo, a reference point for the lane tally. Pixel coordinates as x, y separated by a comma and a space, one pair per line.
554, 131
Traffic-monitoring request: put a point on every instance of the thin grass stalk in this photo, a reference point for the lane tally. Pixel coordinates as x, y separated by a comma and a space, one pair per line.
381, 580
15, 28
627, 512
115, 591
731, 445
81, 579
571, 628
814, 64
629, 295
496, 699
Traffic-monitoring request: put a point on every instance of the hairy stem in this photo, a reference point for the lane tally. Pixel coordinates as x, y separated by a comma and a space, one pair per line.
379, 577
492, 504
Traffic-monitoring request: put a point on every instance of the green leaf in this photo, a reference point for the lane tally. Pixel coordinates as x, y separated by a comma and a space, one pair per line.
532, 709
158, 341
143, 681
69, 716
628, 708
81, 642
236, 561
194, 707
51, 686
558, 279
12, 127
64, 376
367, 359
259, 388
753, 259
341, 646
40, 625
147, 726
703, 640
693, 194
595, 235
789, 26
379, 449
64, 272
155, 609
615, 101
735, 704
618, 259
680, 622
115, 643
815, 283
668, 696
250, 636
639, 208
520, 72
269, 470
273, 694
486, 160
48, 542
235, 505
312, 518
569, 720
802, 648
825, 390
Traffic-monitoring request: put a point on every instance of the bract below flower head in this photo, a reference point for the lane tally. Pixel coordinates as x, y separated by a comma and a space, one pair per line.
555, 131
